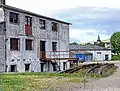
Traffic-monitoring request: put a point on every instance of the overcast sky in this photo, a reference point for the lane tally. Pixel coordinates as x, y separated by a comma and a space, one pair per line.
88, 17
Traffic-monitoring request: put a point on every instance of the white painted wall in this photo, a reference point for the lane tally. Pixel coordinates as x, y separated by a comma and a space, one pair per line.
100, 57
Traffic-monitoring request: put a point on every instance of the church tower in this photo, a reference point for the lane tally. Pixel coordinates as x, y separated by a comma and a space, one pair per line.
98, 40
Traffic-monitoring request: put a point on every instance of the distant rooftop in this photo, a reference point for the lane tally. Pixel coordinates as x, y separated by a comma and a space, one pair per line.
87, 47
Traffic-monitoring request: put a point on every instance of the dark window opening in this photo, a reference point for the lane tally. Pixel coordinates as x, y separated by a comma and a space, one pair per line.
13, 17
54, 26
54, 46
28, 20
14, 43
27, 67
28, 44
64, 65
42, 24
54, 67
13, 68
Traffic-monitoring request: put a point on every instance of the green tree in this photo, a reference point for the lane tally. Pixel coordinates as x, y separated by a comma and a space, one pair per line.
115, 42
102, 44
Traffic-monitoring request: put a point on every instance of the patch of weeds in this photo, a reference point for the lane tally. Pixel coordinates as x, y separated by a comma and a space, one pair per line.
110, 71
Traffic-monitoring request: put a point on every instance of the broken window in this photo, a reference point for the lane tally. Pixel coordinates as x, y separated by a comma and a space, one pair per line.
54, 26
14, 43
28, 44
42, 24
28, 20
54, 46
27, 67
13, 17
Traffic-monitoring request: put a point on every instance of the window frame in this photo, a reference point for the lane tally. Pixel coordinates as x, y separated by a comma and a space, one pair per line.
15, 18
54, 26
30, 47
14, 46
42, 24
54, 46
28, 20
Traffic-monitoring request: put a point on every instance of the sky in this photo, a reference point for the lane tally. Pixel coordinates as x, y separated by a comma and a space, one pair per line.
89, 18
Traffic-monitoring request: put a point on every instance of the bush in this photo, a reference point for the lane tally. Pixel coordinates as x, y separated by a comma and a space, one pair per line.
115, 57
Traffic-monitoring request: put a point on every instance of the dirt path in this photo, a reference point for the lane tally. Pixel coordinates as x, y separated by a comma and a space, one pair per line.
111, 83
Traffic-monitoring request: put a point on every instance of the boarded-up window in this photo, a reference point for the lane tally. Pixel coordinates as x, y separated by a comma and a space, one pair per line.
54, 46
42, 24
14, 43
54, 26
29, 44
28, 25
13, 17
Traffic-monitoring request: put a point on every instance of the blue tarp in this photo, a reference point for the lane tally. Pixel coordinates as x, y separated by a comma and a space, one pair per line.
84, 57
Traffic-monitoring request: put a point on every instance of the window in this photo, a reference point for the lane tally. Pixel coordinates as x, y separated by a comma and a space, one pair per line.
14, 44
42, 24
28, 43
13, 17
13, 68
27, 67
54, 46
98, 52
54, 67
28, 25
54, 26
28, 20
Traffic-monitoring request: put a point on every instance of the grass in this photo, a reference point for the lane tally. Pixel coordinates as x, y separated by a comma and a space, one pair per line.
115, 57
41, 81
36, 81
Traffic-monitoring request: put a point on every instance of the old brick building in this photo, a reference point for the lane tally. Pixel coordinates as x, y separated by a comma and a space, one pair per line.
32, 42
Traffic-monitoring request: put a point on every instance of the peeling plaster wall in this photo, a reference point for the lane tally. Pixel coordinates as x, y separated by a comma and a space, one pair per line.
32, 57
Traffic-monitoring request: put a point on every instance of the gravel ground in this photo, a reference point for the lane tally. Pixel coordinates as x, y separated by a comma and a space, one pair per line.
111, 83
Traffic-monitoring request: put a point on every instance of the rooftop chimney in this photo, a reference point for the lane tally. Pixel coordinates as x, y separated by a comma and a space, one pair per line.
2, 2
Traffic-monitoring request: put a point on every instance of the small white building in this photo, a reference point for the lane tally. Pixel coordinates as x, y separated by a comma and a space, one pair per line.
98, 53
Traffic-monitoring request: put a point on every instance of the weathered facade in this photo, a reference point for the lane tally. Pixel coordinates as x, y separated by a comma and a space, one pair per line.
28, 39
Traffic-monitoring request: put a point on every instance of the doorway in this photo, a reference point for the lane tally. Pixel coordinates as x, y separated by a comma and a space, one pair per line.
42, 50
106, 57
42, 67
64, 65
